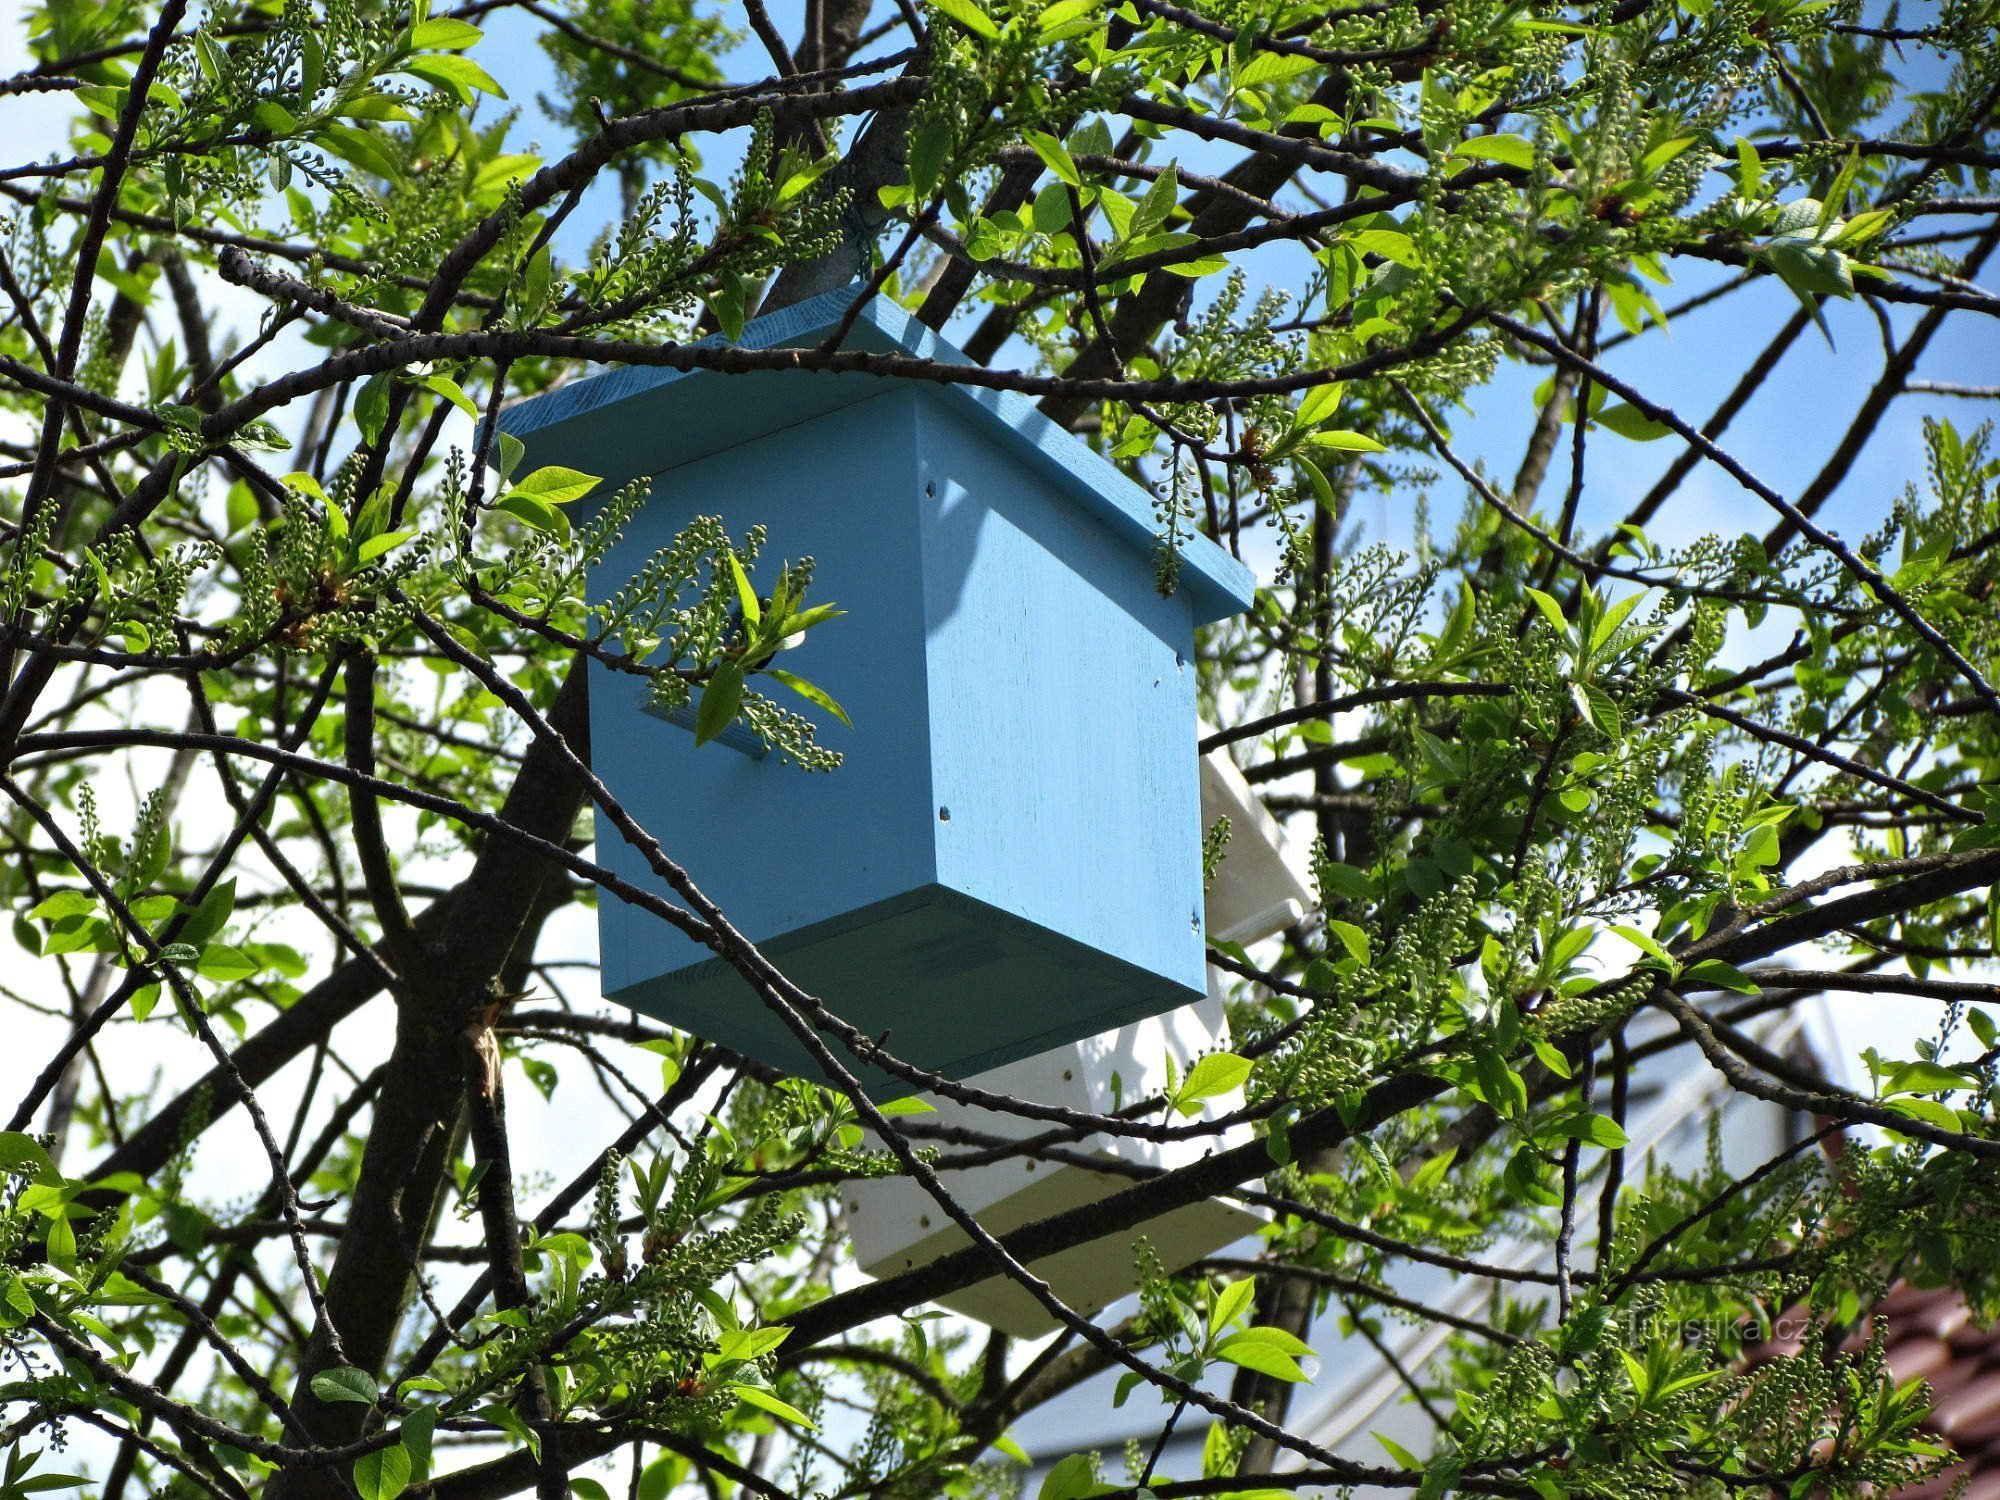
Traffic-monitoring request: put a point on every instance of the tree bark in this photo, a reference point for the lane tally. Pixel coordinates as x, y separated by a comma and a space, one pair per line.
464, 960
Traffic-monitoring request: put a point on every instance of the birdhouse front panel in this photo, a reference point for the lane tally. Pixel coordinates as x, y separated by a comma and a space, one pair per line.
782, 851
1009, 856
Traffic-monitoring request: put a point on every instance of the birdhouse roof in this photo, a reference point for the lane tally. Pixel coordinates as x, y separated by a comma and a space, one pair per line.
642, 419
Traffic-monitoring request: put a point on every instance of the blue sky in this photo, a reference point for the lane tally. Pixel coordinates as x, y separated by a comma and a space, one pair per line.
1784, 435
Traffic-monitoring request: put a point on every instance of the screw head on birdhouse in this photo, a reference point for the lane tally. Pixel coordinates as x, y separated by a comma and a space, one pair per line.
1009, 857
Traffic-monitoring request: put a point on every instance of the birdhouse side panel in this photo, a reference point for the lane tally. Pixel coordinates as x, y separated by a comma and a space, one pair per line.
1062, 711
778, 848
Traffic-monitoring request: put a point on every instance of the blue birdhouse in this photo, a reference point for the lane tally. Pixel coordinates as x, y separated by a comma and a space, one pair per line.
1009, 856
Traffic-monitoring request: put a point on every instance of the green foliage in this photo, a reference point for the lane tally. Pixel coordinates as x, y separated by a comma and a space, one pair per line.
1605, 773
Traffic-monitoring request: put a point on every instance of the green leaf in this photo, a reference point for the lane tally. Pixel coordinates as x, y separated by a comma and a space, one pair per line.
1799, 216
1523, 1178
1551, 1056
1352, 938
809, 692
1930, 1111
460, 77
360, 148
555, 485
18, 1149
803, 179
1551, 611
1055, 156
589, 1489
657, 1479
1863, 229
101, 100
969, 14
1641, 1382
212, 915
1051, 212
742, 1344
241, 507
453, 392
1320, 403
375, 546
1119, 210
1723, 976
757, 1396
1217, 1073
1265, 1359
260, 437
510, 1421
1063, 13
443, 34
345, 1383
1591, 1129
1508, 150
1344, 441
806, 619
537, 513
1273, 67
70, 903
1923, 1077
1616, 615
914, 1105
62, 1241
1316, 477
1391, 244
17, 1304
1156, 207
1749, 170
1666, 151
1597, 709
1230, 1303
383, 1474
1837, 195
1499, 1085
1073, 1478
371, 410
1629, 422
746, 596
720, 699
225, 964
929, 146
416, 1435
1403, 1456
1650, 946
1761, 848
1277, 1338
509, 451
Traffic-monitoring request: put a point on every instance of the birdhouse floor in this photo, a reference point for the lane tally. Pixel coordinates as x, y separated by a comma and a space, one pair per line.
1088, 1277
941, 978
